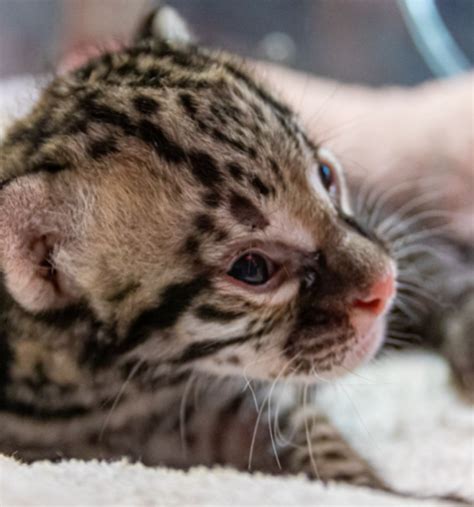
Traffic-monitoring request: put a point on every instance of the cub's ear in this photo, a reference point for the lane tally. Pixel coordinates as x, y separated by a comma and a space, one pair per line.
164, 22
33, 231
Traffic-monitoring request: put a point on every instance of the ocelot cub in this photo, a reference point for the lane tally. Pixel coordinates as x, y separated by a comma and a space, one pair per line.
168, 228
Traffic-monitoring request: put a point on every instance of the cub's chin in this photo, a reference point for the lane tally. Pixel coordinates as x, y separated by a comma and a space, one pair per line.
364, 347
326, 358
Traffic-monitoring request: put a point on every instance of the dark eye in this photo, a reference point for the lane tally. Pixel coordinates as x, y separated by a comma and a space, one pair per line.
252, 268
326, 174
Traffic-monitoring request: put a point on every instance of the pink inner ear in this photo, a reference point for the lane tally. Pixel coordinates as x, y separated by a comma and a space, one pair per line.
82, 52
42, 250
30, 235
32, 279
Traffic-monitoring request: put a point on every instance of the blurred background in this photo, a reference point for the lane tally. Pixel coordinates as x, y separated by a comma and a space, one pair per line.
367, 41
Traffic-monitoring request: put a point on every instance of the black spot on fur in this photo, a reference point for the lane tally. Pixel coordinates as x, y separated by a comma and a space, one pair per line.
246, 213
66, 318
204, 223
212, 199
54, 167
234, 143
102, 147
207, 348
49, 166
4, 183
173, 302
105, 114
275, 168
191, 245
40, 132
191, 83
259, 186
152, 78
205, 169
213, 314
220, 235
166, 148
33, 410
127, 69
203, 125
188, 103
145, 105
124, 292
77, 126
251, 152
235, 170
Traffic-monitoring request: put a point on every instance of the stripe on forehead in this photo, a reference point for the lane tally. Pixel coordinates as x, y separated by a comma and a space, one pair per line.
283, 113
246, 212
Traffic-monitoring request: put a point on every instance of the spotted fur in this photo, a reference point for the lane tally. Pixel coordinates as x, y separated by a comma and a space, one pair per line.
133, 184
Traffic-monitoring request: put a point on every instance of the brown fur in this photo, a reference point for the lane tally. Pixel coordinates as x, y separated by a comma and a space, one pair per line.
125, 197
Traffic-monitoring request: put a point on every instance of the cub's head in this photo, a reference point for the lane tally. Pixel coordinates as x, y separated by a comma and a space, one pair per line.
188, 218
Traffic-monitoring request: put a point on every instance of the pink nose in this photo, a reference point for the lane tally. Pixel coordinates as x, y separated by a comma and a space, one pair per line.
378, 297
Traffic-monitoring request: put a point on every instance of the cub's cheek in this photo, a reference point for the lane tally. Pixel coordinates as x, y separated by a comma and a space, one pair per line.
362, 349
368, 315
369, 337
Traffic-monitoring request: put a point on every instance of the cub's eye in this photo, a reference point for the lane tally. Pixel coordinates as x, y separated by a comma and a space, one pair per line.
252, 268
326, 173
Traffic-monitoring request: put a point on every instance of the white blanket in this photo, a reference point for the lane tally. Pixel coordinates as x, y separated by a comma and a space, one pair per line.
400, 412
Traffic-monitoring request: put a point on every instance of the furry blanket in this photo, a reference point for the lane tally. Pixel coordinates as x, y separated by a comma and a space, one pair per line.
400, 412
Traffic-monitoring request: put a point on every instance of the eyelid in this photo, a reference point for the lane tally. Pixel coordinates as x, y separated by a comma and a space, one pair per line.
326, 156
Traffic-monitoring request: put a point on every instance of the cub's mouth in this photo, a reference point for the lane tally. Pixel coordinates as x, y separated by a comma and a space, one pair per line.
329, 341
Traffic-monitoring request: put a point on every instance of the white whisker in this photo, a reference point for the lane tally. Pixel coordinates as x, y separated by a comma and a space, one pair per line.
260, 413
314, 466
182, 414
120, 393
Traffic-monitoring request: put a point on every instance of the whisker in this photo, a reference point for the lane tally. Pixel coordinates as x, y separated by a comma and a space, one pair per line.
408, 207
405, 287
358, 415
399, 343
393, 333
119, 395
404, 225
417, 248
380, 201
414, 301
269, 420
417, 236
182, 414
314, 466
400, 305
260, 413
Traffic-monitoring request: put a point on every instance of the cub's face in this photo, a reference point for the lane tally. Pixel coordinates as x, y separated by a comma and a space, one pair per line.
193, 219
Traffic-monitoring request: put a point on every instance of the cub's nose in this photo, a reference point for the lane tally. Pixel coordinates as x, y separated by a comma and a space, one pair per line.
378, 297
